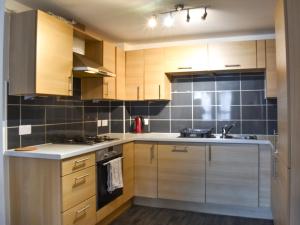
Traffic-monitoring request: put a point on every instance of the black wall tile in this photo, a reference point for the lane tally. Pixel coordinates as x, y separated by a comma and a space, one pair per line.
90, 128
228, 98
204, 98
103, 113
37, 137
55, 114
254, 112
53, 131
204, 84
116, 112
181, 113
13, 138
74, 129
272, 112
254, 81
74, 114
181, 84
13, 115
160, 126
181, 99
204, 113
90, 113
228, 82
254, 127
227, 113
159, 112
116, 126
177, 125
139, 111
205, 125
32, 115
272, 127
253, 98
103, 130
13, 99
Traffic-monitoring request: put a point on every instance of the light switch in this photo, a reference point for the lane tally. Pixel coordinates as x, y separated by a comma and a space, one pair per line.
24, 129
146, 121
104, 123
99, 123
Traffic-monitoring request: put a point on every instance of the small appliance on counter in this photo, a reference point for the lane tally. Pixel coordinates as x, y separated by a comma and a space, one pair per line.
138, 124
196, 133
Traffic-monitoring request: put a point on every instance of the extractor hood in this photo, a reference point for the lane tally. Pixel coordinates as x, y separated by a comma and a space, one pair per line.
84, 67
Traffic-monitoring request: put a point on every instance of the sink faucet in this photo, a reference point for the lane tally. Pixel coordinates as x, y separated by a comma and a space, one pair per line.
226, 129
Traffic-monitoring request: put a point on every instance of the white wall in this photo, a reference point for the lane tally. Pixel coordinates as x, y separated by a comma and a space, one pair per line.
2, 108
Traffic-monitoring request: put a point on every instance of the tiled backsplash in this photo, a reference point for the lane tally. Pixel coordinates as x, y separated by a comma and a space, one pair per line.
53, 116
197, 102
211, 102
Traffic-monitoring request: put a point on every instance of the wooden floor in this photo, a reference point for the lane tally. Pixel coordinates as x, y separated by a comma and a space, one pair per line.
140, 215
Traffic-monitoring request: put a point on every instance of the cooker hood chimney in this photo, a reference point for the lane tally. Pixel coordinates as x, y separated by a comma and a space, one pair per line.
84, 67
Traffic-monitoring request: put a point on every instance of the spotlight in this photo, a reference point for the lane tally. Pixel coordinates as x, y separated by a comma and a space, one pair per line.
152, 22
205, 14
169, 20
188, 18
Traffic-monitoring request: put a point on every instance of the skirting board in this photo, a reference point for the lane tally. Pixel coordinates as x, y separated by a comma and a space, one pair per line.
259, 213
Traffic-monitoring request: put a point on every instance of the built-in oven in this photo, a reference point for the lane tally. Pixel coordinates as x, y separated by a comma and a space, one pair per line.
103, 156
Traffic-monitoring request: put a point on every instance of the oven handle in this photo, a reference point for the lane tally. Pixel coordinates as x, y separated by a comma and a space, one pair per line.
105, 164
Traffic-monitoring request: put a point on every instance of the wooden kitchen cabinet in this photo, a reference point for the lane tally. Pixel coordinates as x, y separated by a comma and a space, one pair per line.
181, 172
135, 75
232, 175
186, 59
157, 83
103, 53
50, 196
41, 57
145, 167
271, 75
232, 55
120, 74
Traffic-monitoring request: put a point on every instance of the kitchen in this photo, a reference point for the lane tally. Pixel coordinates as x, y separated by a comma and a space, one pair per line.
170, 120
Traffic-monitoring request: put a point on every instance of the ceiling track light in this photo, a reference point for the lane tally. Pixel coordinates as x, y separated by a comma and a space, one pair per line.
205, 14
188, 18
169, 19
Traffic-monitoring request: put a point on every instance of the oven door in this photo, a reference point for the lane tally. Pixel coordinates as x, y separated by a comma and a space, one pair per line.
103, 196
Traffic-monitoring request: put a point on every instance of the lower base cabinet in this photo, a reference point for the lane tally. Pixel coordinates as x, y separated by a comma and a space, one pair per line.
181, 172
232, 175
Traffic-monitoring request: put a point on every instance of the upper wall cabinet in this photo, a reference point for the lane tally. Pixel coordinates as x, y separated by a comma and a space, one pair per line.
135, 75
232, 55
120, 74
41, 57
271, 76
157, 83
186, 59
103, 53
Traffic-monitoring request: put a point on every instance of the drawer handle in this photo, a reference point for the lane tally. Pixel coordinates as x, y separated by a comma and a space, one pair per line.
234, 65
179, 150
81, 179
185, 68
80, 161
83, 209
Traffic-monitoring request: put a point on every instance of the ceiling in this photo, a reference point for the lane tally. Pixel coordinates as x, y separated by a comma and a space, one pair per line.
125, 20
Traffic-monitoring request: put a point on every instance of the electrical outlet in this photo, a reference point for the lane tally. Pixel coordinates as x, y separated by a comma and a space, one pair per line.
99, 123
104, 123
146, 122
24, 129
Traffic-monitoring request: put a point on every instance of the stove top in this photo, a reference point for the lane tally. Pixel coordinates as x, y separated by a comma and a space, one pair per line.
196, 133
87, 140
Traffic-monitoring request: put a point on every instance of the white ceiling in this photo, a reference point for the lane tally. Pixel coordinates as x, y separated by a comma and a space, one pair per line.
125, 20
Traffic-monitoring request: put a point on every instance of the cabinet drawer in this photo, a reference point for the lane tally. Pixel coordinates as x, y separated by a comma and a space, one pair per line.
82, 214
77, 187
78, 163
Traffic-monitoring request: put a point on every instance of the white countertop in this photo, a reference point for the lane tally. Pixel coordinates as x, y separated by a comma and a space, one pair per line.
63, 151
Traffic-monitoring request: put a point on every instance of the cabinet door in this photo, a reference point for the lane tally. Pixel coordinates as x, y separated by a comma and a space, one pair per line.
145, 164
109, 56
232, 175
109, 88
128, 171
232, 55
135, 75
120, 74
181, 172
271, 76
157, 84
186, 58
54, 56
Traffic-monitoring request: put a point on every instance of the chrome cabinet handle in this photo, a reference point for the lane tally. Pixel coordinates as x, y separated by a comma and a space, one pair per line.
275, 161
233, 65
185, 68
106, 84
152, 154
159, 91
209, 153
83, 209
81, 161
80, 180
138, 92
179, 150
70, 85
